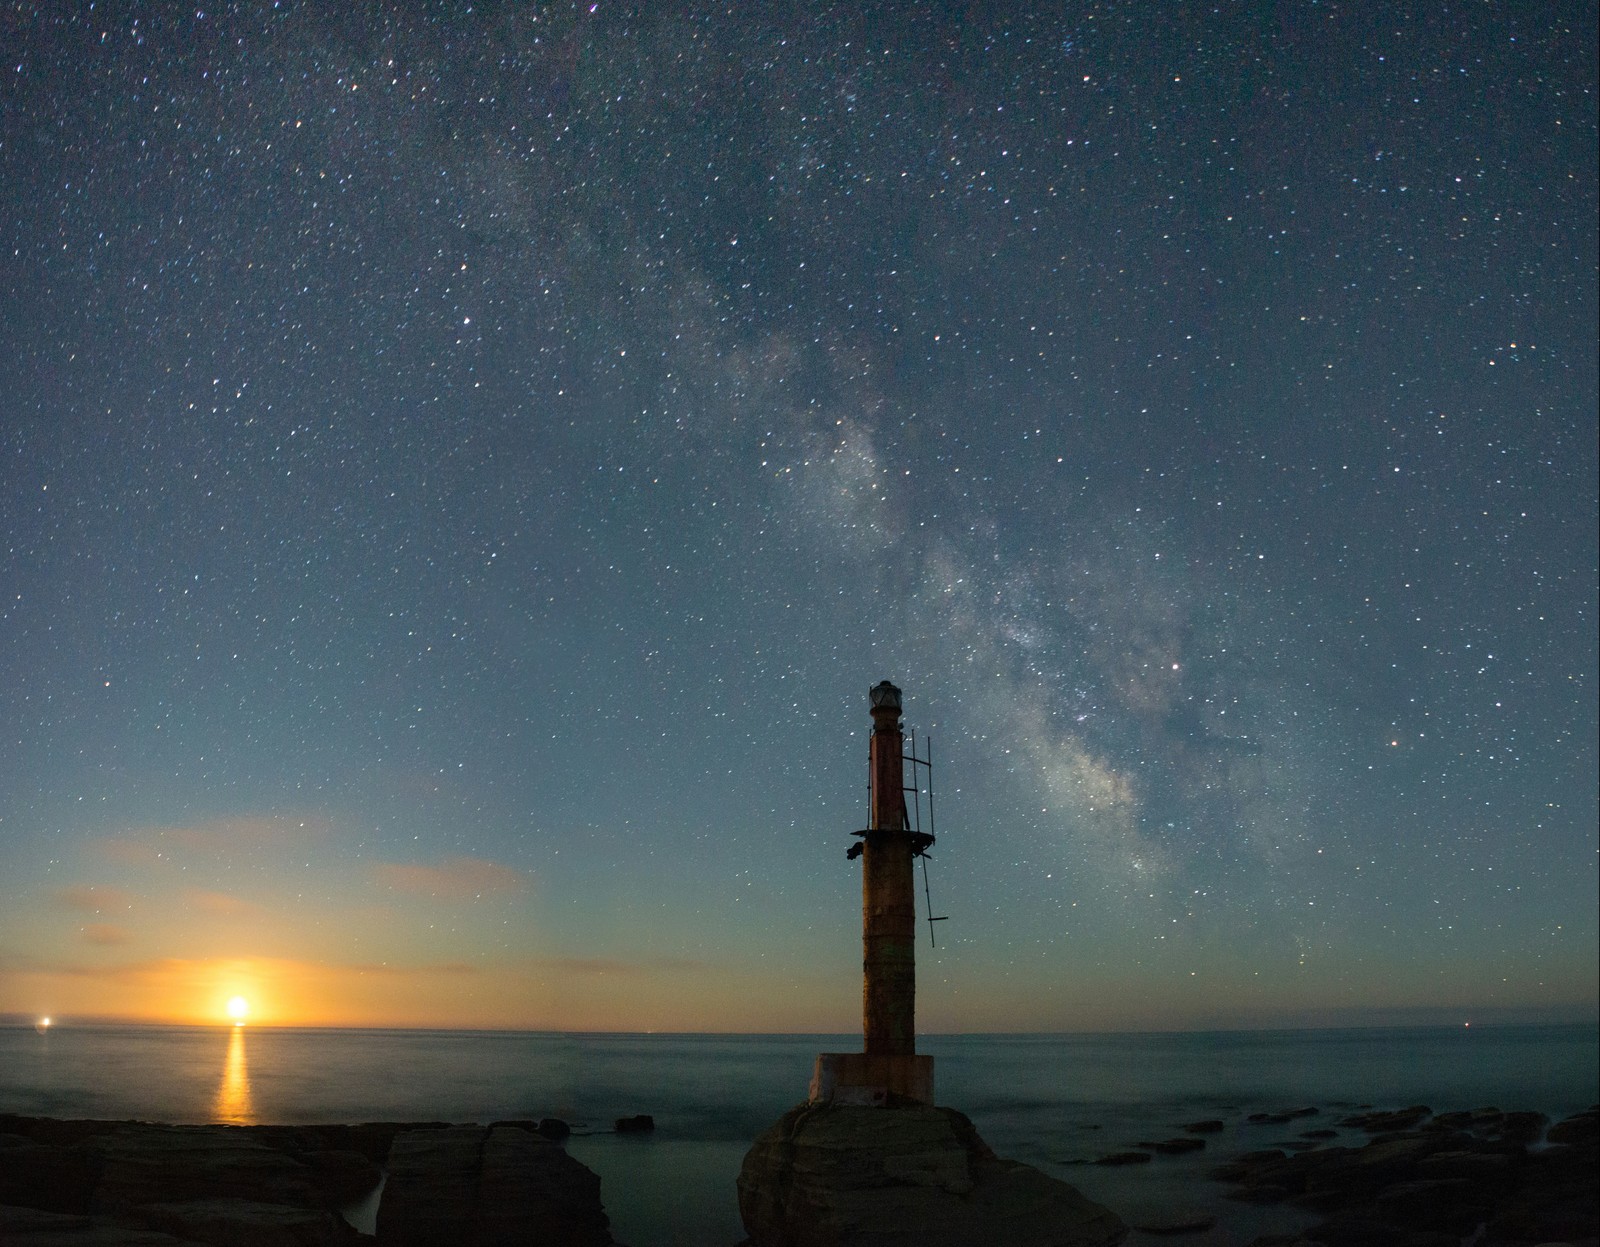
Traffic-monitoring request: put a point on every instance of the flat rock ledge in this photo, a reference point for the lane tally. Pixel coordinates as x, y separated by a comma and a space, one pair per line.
137, 1184
501, 1186
850, 1176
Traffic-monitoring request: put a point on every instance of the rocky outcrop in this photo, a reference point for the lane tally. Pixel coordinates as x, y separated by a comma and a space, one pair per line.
99, 1184
168, 1164
1172, 1147
130, 1182
33, 1227
232, 1222
848, 1176
1452, 1177
475, 1186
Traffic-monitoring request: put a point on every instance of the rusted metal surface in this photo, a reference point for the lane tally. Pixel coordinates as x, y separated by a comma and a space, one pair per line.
888, 896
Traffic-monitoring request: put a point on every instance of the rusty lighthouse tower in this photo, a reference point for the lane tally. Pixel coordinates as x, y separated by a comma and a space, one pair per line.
888, 1065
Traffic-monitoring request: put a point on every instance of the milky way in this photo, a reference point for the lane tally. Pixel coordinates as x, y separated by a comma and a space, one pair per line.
463, 471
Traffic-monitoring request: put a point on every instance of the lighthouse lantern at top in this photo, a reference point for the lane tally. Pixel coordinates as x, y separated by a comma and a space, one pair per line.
885, 696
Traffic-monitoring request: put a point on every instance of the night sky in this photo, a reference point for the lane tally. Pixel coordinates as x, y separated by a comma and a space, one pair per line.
464, 468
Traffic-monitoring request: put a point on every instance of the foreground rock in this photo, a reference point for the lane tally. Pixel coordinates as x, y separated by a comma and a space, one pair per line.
110, 1184
170, 1164
471, 1186
848, 1176
1452, 1177
30, 1227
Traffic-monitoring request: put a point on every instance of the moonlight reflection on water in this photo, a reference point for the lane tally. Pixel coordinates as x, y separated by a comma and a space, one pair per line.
233, 1106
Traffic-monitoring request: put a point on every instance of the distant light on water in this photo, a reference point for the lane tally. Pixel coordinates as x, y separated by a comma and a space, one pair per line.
42, 1025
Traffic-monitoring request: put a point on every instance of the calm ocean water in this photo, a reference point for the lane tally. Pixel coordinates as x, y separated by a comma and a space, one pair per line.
1056, 1101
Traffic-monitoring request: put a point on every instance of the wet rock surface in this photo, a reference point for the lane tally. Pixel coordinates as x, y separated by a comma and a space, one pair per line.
836, 1176
105, 1183
1434, 1181
1173, 1147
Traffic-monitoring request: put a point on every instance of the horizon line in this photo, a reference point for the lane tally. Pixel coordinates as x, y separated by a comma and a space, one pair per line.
1480, 1019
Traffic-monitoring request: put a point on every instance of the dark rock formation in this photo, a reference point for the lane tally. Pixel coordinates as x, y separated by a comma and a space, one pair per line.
1381, 1122
32, 1227
138, 1183
476, 1186
1523, 1127
1582, 1129
130, 1184
1173, 1147
1278, 1118
37, 1175
167, 1164
641, 1124
1210, 1126
1457, 1176
340, 1176
836, 1175
1124, 1158
1175, 1223
228, 1222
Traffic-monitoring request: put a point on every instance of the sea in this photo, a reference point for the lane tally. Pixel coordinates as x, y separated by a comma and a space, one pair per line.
1059, 1102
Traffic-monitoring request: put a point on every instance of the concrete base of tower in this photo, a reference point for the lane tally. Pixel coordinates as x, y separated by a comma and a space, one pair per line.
857, 1078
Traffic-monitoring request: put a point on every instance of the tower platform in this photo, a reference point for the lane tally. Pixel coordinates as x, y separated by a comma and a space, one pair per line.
871, 1079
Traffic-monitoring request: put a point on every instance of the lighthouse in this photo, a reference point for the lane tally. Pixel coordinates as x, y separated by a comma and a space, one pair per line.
887, 1069
869, 1157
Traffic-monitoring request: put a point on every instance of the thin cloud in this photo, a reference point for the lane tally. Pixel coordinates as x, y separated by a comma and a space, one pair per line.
91, 898
106, 934
122, 970
222, 837
221, 904
603, 966
456, 879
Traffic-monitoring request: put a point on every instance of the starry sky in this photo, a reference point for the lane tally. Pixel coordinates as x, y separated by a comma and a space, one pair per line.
464, 466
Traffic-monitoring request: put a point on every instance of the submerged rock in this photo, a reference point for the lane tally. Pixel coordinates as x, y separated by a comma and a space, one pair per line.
843, 1175
1382, 1122
1173, 1147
